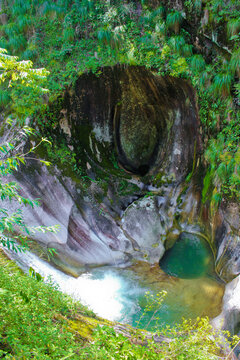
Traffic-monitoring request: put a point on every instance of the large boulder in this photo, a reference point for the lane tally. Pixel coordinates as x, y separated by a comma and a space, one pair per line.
150, 121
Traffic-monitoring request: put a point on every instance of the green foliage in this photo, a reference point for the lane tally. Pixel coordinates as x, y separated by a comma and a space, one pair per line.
190, 340
24, 22
22, 83
223, 155
68, 34
17, 43
33, 317
11, 29
179, 67
52, 9
222, 84
207, 182
4, 97
235, 62
177, 42
20, 7
198, 63
173, 20
233, 27
105, 36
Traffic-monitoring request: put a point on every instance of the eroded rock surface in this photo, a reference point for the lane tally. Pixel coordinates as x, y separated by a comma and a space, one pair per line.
229, 318
151, 122
135, 137
227, 240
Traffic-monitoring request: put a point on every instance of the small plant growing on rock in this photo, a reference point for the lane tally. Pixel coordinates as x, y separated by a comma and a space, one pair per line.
153, 304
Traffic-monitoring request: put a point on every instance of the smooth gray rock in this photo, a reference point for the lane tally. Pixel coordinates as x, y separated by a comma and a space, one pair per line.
227, 240
229, 319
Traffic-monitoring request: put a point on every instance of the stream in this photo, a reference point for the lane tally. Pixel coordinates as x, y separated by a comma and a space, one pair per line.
119, 293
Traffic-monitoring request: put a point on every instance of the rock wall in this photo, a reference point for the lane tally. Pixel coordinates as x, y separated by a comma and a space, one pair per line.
135, 136
227, 239
151, 122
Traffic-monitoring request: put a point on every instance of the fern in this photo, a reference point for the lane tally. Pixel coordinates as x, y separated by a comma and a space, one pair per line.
60, 10
234, 64
83, 11
83, 7
233, 27
17, 43
47, 8
113, 38
174, 20
64, 4
23, 23
150, 18
10, 29
125, 10
198, 63
177, 43
4, 97
4, 43
146, 19
216, 197
237, 89
68, 34
159, 12
186, 50
104, 36
20, 7
51, 9
215, 148
222, 172
222, 84
217, 5
204, 79
117, 37
29, 54
160, 28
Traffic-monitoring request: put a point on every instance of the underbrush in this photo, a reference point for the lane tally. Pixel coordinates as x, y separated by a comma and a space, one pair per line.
34, 317
190, 340
39, 322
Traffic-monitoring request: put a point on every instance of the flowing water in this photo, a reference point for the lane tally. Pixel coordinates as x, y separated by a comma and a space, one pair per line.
119, 294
